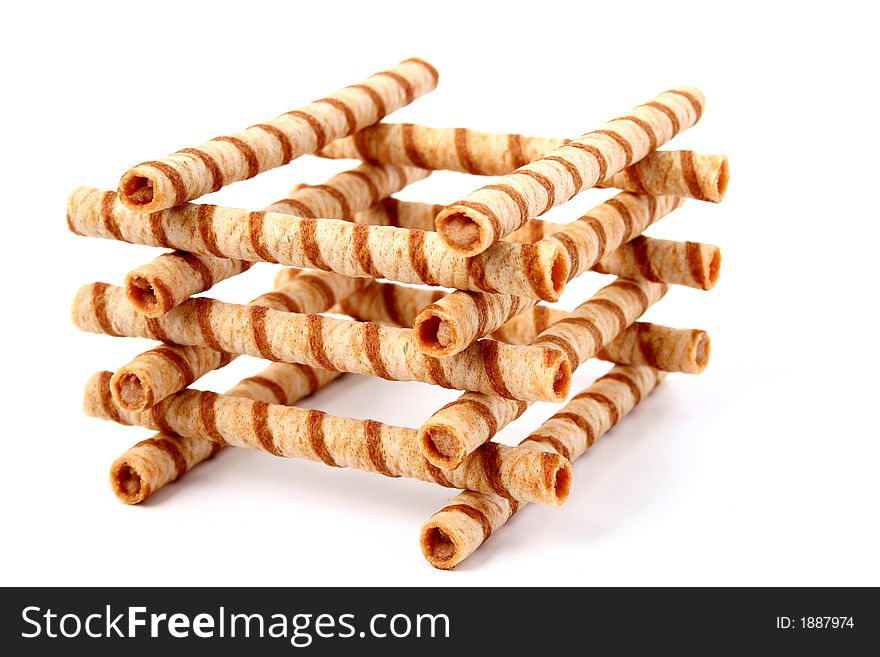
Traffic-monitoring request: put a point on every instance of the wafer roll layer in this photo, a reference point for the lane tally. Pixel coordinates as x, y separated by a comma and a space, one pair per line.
520, 474
675, 173
456, 321
483, 217
534, 373
683, 263
155, 374
193, 172
151, 464
399, 254
459, 528
458, 428
159, 286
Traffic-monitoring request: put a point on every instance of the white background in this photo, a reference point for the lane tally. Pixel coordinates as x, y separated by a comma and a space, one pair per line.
761, 471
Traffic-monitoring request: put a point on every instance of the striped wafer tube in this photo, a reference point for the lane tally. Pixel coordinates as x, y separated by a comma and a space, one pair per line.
461, 426
405, 214
384, 303
398, 254
485, 216
459, 528
193, 172
533, 373
684, 263
459, 319
170, 279
165, 457
287, 431
157, 373
675, 173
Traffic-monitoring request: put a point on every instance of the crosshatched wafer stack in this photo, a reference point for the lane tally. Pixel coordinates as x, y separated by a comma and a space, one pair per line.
339, 305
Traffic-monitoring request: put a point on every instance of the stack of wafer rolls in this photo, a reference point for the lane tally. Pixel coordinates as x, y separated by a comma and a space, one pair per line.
444, 294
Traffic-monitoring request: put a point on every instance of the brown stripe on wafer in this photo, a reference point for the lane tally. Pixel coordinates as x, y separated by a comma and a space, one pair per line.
534, 271
489, 358
639, 247
206, 230
576, 180
637, 290
107, 402
673, 119
627, 381
375, 450
621, 141
614, 309
226, 358
403, 82
157, 413
179, 363
107, 216
392, 210
308, 237
416, 253
156, 331
169, 447
474, 514
690, 174
363, 148
255, 231
558, 446
208, 416
595, 152
587, 324
596, 226
258, 328
437, 474
158, 230
695, 263
481, 410
563, 344
99, 301
698, 108
339, 197
645, 346
350, 119
624, 213
315, 432
389, 300
286, 146
409, 145
197, 266
513, 194
575, 419
314, 124
491, 465
481, 303
436, 372
173, 176
542, 180
573, 253
260, 422
376, 98
604, 401
247, 152
203, 308
373, 350
635, 178
361, 237
461, 149
279, 297
644, 125
486, 211
211, 164
374, 192
321, 286
270, 385
515, 146
315, 331
435, 76
476, 269
541, 315
652, 207
309, 375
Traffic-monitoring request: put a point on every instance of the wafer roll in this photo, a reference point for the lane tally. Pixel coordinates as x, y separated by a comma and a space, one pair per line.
459, 528
287, 431
533, 373
458, 428
675, 173
458, 320
405, 214
152, 463
193, 172
159, 286
485, 216
155, 374
683, 263
399, 254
